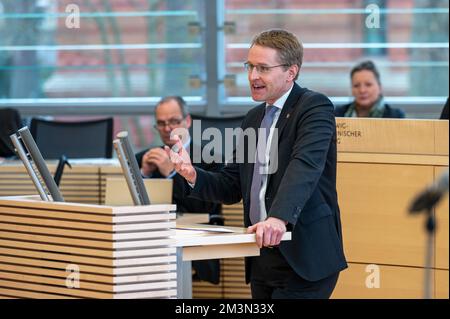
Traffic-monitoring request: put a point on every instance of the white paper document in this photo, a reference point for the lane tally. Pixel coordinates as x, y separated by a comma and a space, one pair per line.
206, 229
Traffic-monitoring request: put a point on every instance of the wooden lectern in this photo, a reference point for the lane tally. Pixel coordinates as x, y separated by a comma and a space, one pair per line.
68, 250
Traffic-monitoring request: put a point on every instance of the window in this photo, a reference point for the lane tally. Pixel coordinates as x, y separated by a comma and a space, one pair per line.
117, 49
126, 54
409, 46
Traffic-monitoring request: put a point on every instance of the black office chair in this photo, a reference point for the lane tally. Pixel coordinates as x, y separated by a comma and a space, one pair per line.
87, 139
209, 270
220, 123
10, 122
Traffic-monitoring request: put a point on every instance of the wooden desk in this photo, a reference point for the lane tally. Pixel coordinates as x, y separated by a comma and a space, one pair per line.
200, 245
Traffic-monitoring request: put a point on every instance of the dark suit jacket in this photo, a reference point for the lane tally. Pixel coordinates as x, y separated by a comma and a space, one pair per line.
389, 112
303, 189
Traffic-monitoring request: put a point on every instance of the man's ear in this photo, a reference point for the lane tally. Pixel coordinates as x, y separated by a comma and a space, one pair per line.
293, 70
188, 120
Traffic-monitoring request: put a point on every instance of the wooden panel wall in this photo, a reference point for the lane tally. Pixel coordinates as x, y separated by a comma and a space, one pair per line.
80, 184
393, 282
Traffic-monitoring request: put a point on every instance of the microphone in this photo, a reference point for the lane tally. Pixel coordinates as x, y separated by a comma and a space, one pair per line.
60, 169
431, 195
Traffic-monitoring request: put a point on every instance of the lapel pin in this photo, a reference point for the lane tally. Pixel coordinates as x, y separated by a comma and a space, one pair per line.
287, 116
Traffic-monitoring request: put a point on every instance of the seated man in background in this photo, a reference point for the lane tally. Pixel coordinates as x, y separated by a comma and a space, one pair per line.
171, 113
367, 91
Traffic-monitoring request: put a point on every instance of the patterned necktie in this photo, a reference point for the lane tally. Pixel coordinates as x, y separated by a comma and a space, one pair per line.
255, 207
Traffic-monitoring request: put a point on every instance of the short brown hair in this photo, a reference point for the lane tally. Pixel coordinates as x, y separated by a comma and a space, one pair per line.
366, 66
289, 48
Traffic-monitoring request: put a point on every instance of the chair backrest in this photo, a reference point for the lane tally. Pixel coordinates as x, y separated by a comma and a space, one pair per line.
220, 123
10, 122
87, 139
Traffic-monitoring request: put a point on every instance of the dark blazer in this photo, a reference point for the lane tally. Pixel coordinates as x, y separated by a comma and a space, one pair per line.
303, 189
389, 112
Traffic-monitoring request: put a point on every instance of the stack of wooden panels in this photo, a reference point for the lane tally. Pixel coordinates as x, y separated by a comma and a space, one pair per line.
234, 215
233, 274
206, 290
79, 184
232, 282
15, 181
108, 172
66, 250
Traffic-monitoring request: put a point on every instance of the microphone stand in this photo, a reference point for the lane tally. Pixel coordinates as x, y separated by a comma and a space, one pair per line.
430, 227
425, 202
60, 168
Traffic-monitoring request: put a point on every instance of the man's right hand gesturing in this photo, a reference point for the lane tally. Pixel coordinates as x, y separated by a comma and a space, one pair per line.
181, 160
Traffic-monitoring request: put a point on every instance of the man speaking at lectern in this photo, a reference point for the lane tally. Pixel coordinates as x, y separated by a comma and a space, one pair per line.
298, 128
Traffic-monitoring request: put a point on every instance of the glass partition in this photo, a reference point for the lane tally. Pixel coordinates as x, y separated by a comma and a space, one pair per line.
407, 39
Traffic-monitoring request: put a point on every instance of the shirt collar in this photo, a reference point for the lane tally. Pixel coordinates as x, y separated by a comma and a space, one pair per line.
280, 102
